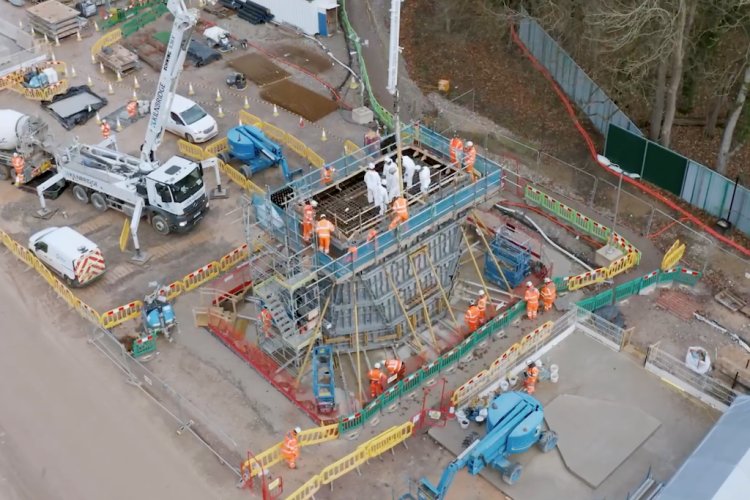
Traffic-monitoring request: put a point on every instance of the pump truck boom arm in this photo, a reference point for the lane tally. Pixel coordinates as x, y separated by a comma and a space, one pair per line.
182, 29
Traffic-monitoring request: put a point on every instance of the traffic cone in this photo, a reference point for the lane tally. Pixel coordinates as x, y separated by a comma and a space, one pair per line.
78, 36
135, 83
93, 59
96, 26
101, 68
57, 41
301, 122
32, 31
119, 125
135, 96
323, 137
90, 82
247, 104
54, 59
275, 111
73, 71
98, 120
20, 25
218, 96
221, 113
110, 89
119, 76
46, 40
241, 124
190, 89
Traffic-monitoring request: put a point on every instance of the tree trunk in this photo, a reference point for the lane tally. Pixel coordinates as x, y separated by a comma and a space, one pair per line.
657, 107
684, 24
725, 152
712, 117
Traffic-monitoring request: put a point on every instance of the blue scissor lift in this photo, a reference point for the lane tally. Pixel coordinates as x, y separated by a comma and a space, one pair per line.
323, 380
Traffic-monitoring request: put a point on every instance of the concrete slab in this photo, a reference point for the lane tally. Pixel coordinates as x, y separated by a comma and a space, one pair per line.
592, 370
596, 436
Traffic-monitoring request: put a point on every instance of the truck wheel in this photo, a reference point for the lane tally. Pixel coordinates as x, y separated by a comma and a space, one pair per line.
160, 224
547, 441
99, 202
4, 173
80, 194
512, 473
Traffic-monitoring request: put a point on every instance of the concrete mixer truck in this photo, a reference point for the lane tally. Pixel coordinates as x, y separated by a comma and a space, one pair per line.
29, 137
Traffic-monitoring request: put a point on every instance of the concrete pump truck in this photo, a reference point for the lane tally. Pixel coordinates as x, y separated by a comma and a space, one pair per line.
171, 195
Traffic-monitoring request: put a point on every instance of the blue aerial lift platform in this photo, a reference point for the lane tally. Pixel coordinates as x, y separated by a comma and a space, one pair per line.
251, 146
324, 387
514, 424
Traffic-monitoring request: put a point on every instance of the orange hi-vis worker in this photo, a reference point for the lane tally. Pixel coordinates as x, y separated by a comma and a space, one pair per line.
290, 449
549, 294
17, 163
395, 367
352, 254
324, 230
266, 320
402, 214
470, 157
472, 317
106, 129
456, 148
532, 300
482, 306
531, 375
328, 174
308, 219
377, 379
371, 235
132, 109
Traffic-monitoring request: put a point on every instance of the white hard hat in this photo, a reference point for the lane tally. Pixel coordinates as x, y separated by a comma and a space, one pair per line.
528, 283
472, 302
481, 292
313, 203
15, 154
104, 120
469, 144
371, 165
529, 362
377, 365
382, 182
382, 362
322, 216
547, 280
297, 430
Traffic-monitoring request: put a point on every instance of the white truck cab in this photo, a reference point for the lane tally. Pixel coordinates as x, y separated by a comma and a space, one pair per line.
188, 120
69, 254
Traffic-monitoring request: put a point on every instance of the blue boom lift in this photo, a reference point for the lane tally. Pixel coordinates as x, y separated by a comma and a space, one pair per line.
514, 424
251, 146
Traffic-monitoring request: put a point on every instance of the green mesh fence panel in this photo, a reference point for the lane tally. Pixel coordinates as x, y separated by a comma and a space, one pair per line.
664, 168
625, 149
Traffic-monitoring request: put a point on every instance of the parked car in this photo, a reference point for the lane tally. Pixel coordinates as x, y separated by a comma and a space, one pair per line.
69, 254
188, 120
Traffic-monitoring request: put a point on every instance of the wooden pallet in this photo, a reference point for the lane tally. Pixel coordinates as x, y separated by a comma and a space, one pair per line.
730, 301
120, 59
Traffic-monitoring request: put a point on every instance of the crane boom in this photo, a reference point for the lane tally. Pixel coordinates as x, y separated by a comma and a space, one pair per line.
182, 29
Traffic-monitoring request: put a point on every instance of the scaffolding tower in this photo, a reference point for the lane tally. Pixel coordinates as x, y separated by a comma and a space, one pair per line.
394, 287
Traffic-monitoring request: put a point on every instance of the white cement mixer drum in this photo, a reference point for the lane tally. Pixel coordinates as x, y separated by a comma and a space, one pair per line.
11, 126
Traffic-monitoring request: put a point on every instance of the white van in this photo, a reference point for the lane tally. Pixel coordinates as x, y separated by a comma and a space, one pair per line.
190, 121
69, 254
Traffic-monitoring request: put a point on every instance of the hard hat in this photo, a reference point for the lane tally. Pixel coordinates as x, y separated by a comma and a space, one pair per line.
469, 144
547, 280
371, 166
297, 430
377, 365
104, 120
472, 302
528, 283
529, 362
313, 203
322, 216
328, 167
481, 292
15, 154
382, 362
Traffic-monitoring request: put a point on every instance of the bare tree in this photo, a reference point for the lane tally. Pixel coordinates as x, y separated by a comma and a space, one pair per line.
657, 105
727, 148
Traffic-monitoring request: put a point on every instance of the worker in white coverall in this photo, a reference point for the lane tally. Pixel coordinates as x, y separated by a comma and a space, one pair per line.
409, 168
424, 180
391, 183
372, 181
381, 197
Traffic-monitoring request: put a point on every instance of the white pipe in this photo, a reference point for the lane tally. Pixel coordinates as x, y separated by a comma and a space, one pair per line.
555, 245
734, 336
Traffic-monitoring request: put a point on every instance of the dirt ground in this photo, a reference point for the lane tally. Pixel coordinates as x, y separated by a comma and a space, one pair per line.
258, 69
308, 104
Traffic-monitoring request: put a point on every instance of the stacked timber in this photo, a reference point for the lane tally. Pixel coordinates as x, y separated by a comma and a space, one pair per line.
54, 19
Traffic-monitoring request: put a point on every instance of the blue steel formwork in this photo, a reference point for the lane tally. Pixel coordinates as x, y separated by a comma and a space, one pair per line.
433, 225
